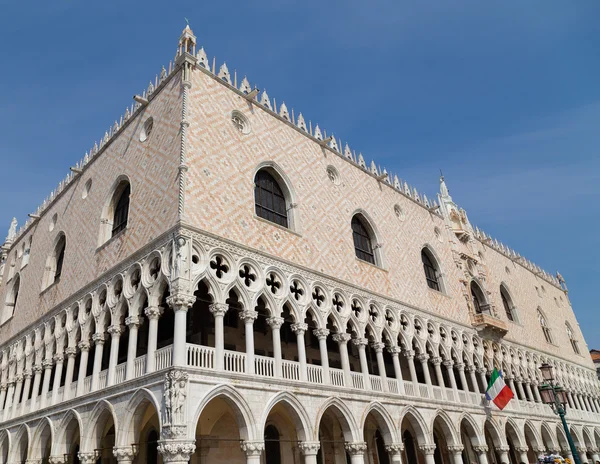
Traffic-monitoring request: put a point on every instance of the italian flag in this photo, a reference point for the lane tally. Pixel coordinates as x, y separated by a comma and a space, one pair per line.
497, 391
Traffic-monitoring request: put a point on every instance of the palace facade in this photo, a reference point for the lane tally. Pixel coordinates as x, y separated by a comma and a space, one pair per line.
219, 281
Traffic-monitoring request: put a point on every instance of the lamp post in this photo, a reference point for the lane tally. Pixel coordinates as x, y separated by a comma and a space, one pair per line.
556, 396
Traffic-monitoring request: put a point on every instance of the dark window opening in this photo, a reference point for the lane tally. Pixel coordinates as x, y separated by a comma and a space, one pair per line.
121, 211
363, 245
269, 199
431, 273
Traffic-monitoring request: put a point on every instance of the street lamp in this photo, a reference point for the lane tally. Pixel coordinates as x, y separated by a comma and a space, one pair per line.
556, 397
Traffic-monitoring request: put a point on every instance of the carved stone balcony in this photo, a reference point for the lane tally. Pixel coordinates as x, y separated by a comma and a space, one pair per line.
484, 321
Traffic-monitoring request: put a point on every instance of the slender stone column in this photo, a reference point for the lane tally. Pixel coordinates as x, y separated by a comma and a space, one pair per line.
124, 454
98, 339
342, 341
582, 450
395, 451
3, 389
378, 347
570, 400
180, 304
18, 389
424, 359
310, 449
152, 313
437, 364
37, 378
536, 392
356, 450
529, 392
521, 390
461, 374
176, 451
322, 334
449, 365
26, 388
9, 398
115, 332
587, 403
133, 325
471, 370
361, 344
410, 358
249, 316
395, 351
428, 451
218, 311
59, 359
503, 452
481, 372
522, 451
275, 323
47, 365
84, 347
70, 352
481, 451
595, 455
299, 329
456, 452
253, 450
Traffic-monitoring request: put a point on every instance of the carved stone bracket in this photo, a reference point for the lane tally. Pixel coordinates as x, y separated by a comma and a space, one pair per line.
176, 451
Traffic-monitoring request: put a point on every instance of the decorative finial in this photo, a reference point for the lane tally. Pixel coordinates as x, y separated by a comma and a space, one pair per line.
12, 230
187, 22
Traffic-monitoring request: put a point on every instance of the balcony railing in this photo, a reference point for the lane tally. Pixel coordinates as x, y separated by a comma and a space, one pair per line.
203, 357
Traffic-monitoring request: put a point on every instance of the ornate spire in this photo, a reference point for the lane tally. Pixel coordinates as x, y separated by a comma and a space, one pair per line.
187, 42
443, 188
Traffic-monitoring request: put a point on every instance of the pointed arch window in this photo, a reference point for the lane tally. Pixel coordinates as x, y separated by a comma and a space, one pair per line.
572, 339
54, 262
544, 326
477, 297
269, 199
121, 211
430, 267
363, 240
60, 257
11, 299
507, 303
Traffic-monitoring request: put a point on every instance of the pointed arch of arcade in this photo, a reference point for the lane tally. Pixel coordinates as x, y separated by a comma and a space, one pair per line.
513, 432
383, 419
64, 433
343, 415
44, 431
412, 415
5, 444
295, 410
134, 413
91, 434
472, 428
588, 438
495, 432
442, 419
16, 452
531, 433
239, 406
548, 438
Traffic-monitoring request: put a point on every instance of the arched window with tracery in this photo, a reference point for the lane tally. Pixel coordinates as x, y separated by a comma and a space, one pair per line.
115, 214
509, 307
363, 239
432, 274
571, 336
54, 263
269, 199
544, 326
11, 299
478, 298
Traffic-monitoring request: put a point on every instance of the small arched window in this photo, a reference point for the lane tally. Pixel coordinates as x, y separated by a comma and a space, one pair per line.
571, 336
363, 240
544, 326
507, 304
60, 257
121, 211
11, 299
269, 199
479, 302
430, 267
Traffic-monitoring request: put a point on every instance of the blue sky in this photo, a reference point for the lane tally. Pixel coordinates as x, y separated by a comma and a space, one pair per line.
503, 97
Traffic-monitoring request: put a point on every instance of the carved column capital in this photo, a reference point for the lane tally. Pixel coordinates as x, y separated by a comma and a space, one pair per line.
176, 451
456, 449
58, 358
521, 449
87, 458
47, 363
460, 366
360, 342
218, 309
395, 448
503, 448
71, 352
409, 354
57, 459
480, 449
37, 369
309, 448
181, 301
253, 448
275, 322
394, 350
98, 338
341, 337
153, 312
356, 448
132, 321
423, 357
115, 330
436, 361
378, 347
427, 449
124, 454
248, 316
448, 364
321, 334
84, 345
299, 328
